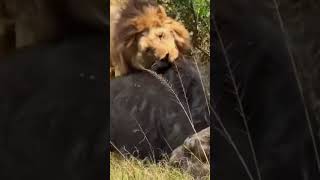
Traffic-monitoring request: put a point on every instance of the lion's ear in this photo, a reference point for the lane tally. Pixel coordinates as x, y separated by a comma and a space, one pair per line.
161, 12
181, 34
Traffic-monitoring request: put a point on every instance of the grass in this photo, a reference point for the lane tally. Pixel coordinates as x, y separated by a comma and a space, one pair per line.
134, 169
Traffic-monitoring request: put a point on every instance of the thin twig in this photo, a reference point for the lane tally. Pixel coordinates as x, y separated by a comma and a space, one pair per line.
232, 143
170, 88
145, 137
203, 88
183, 89
299, 83
205, 52
233, 80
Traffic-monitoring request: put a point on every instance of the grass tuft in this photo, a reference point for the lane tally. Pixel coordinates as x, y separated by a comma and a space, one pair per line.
134, 169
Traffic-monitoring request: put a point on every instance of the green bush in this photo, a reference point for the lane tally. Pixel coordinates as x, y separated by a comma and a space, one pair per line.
195, 15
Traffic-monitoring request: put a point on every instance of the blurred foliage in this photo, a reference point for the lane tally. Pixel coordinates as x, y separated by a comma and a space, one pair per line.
195, 15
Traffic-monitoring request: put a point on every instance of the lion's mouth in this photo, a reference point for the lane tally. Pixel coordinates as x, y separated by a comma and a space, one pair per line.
166, 58
162, 65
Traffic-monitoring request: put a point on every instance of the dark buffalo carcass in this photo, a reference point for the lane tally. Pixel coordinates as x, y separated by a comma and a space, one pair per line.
53, 111
150, 117
261, 128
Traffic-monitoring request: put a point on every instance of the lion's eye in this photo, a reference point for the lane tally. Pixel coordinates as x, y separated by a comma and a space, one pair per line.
161, 35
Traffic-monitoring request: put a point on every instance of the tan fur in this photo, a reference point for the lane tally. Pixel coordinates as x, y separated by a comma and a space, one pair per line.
141, 33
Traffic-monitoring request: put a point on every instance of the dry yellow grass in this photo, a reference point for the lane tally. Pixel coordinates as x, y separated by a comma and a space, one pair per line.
133, 169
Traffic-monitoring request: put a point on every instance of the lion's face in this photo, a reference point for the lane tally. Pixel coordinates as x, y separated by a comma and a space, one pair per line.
158, 37
158, 44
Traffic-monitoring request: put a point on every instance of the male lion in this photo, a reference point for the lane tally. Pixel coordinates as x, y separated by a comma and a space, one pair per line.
142, 33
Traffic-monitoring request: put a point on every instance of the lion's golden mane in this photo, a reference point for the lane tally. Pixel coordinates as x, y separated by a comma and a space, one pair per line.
141, 33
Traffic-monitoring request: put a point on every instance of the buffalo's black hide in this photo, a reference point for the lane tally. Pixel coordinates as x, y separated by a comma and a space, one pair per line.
251, 50
146, 118
53, 111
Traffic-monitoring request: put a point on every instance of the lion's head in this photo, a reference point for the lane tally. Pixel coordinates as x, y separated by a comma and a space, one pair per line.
144, 34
